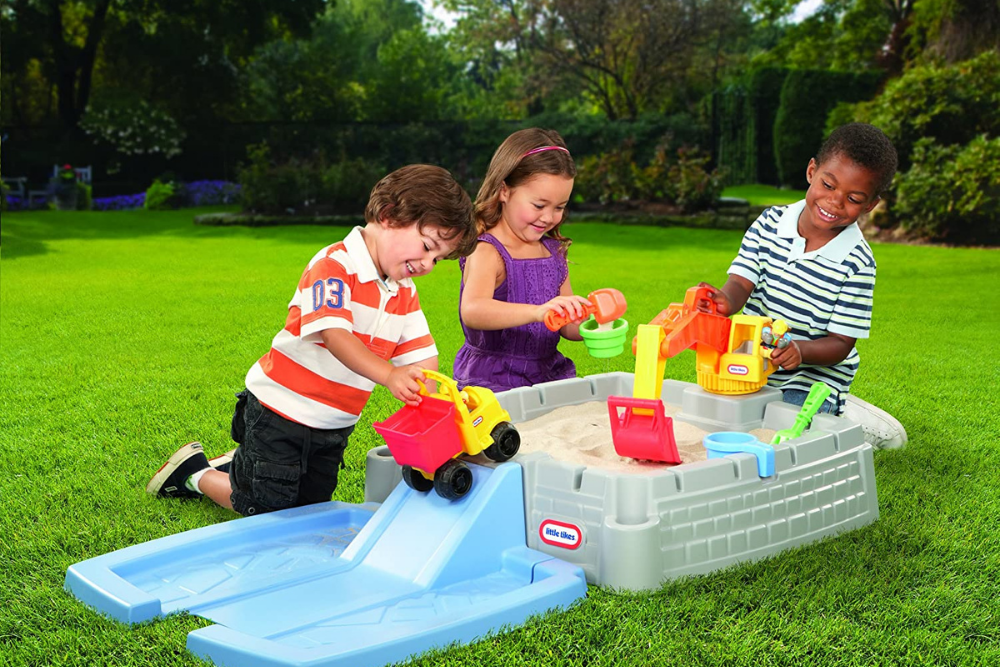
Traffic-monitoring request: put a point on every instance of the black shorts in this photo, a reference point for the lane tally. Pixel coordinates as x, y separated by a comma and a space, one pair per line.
281, 463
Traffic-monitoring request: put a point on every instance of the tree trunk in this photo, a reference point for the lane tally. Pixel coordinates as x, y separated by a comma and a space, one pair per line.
74, 67
89, 55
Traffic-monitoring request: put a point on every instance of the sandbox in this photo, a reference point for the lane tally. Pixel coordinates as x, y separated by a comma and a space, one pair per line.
634, 525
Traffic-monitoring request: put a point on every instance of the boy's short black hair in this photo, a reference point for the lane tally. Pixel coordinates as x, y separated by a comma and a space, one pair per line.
865, 145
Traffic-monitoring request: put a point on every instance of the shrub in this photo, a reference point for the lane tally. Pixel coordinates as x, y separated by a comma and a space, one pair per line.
951, 104
278, 188
349, 183
685, 181
952, 192
160, 196
692, 186
609, 177
84, 197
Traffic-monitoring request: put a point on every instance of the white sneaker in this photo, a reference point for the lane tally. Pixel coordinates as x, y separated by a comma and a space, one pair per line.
882, 430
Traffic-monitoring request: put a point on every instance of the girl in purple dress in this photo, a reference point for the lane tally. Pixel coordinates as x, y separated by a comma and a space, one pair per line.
518, 271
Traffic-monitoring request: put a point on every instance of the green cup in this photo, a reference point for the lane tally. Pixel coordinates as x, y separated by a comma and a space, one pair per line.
604, 344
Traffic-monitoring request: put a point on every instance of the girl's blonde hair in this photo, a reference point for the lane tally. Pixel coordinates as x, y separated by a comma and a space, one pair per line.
515, 162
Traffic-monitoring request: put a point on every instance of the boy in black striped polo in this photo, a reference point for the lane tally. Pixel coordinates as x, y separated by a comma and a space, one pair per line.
809, 264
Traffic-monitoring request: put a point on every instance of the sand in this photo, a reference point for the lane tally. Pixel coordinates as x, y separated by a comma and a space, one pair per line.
582, 434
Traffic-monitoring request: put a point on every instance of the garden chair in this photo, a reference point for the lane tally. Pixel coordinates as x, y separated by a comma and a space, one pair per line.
83, 174
17, 186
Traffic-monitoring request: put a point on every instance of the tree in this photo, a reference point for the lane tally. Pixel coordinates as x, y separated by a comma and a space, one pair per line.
956, 30
366, 60
624, 53
412, 80
841, 35
70, 34
894, 52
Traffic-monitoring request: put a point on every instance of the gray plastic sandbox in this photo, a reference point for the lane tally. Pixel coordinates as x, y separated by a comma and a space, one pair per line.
634, 531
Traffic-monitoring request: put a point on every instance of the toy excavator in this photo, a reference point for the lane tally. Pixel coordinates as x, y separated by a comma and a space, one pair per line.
731, 359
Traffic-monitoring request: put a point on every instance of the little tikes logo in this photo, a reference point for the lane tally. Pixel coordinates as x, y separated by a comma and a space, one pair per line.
478, 421
560, 534
736, 369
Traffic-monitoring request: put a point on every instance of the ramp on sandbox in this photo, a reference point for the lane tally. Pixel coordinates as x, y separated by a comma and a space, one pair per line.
339, 584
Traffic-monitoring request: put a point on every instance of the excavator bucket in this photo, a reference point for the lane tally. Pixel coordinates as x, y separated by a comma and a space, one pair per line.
640, 429
609, 304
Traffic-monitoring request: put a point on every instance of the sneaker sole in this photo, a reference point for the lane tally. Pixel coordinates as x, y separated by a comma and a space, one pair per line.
222, 461
168, 468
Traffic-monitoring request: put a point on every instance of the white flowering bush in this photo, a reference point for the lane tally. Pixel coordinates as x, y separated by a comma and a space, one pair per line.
136, 128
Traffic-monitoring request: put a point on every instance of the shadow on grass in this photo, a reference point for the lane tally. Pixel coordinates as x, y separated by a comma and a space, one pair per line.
29, 234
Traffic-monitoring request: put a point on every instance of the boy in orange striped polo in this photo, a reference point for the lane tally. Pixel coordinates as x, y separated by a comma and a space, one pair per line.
354, 322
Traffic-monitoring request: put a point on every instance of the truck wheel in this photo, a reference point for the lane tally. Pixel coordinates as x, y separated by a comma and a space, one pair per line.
416, 481
506, 442
453, 480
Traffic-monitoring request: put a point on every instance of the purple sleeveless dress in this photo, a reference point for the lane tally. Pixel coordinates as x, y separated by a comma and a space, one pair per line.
524, 355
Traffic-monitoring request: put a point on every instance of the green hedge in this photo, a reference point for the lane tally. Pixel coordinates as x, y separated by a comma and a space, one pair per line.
736, 149
765, 100
743, 117
807, 97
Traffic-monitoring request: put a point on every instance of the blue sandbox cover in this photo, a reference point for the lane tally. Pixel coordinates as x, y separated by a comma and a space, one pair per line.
339, 584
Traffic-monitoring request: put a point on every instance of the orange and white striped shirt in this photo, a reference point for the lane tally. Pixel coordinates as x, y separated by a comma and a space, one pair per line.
340, 289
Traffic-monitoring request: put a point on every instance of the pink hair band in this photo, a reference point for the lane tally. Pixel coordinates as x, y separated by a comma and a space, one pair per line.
542, 149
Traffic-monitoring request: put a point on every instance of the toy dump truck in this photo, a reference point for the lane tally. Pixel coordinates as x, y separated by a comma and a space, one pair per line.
426, 439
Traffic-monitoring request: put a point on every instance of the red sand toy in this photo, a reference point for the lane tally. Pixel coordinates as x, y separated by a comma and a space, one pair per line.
426, 439
642, 430
608, 304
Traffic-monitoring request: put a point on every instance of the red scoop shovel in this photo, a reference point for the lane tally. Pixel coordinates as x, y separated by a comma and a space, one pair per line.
607, 305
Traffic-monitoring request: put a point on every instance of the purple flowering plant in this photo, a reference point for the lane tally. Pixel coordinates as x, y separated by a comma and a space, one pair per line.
195, 193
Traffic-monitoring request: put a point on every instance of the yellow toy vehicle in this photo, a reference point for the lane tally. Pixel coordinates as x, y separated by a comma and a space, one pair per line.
730, 357
426, 439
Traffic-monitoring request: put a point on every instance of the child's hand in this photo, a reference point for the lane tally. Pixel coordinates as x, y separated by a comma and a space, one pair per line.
402, 383
720, 299
787, 357
570, 306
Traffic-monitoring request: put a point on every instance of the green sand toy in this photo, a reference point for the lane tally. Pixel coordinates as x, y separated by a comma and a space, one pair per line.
814, 400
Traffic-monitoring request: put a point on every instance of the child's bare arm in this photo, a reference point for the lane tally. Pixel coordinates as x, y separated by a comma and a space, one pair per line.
479, 310
569, 331
827, 351
401, 381
733, 295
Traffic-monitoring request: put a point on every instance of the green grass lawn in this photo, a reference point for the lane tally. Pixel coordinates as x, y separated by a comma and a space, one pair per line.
764, 195
124, 335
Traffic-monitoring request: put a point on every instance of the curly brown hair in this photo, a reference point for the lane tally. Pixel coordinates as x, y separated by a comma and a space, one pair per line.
423, 194
511, 166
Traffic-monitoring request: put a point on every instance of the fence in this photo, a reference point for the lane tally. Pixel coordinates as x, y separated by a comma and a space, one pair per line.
215, 151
